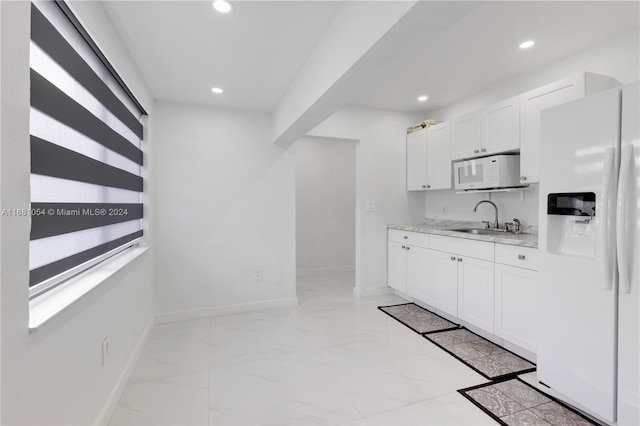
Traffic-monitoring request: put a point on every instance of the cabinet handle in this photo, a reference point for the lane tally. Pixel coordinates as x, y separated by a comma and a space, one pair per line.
405, 237
453, 258
424, 186
404, 247
408, 247
521, 257
475, 151
428, 186
483, 150
459, 259
523, 178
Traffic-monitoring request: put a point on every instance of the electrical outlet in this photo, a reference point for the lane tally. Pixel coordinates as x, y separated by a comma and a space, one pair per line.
258, 275
105, 350
371, 206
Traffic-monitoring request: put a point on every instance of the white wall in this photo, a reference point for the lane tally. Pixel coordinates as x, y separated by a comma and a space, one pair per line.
325, 203
460, 206
380, 178
225, 207
618, 57
54, 375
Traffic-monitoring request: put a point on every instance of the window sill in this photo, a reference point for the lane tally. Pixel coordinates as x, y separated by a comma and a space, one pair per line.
48, 305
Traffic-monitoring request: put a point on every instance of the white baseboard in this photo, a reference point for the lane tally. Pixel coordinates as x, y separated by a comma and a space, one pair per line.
372, 292
114, 397
225, 310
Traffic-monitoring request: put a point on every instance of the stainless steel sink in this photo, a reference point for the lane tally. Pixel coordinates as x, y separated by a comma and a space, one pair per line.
480, 231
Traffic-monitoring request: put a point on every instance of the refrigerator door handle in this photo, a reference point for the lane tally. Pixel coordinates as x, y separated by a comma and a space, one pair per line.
606, 230
622, 237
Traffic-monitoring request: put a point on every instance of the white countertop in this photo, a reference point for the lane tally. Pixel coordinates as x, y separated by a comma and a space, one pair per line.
523, 239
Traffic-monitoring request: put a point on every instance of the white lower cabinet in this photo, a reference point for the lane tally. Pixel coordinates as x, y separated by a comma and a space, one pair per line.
397, 266
516, 302
419, 273
491, 286
463, 287
445, 282
463, 279
475, 292
408, 263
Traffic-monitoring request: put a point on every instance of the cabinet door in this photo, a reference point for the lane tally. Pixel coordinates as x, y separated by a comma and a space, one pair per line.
531, 104
502, 127
516, 305
475, 292
419, 273
439, 157
397, 266
467, 136
445, 282
417, 161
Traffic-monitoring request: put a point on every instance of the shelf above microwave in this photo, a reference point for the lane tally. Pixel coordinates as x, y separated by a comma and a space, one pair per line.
477, 191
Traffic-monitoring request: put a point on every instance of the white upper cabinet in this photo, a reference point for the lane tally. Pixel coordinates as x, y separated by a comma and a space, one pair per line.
492, 130
533, 102
509, 126
417, 161
439, 156
502, 127
467, 136
429, 158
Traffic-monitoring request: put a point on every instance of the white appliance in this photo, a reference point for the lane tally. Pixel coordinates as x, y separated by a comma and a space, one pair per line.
589, 244
496, 171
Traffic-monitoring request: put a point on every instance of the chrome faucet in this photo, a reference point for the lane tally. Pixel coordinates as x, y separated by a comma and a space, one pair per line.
518, 225
496, 223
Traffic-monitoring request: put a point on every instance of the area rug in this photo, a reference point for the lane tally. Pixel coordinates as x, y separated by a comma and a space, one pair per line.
417, 318
514, 402
488, 359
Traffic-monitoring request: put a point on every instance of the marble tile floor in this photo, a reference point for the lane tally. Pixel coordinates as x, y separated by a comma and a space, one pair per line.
334, 359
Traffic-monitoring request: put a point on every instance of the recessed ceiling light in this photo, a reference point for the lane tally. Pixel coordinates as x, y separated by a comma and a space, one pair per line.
217, 90
222, 6
422, 98
527, 44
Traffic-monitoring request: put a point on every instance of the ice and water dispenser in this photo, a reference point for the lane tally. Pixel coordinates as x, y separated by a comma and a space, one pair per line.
571, 223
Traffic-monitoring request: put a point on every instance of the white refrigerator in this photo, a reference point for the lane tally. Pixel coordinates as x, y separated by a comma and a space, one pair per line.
589, 244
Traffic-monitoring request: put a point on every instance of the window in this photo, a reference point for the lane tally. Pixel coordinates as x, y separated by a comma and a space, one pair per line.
86, 156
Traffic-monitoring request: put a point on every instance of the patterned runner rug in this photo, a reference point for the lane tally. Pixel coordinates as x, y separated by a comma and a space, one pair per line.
488, 359
417, 318
514, 402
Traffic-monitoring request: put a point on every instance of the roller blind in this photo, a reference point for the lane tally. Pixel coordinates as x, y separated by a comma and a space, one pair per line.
86, 157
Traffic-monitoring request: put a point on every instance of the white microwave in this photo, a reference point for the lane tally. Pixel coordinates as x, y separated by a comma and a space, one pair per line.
497, 171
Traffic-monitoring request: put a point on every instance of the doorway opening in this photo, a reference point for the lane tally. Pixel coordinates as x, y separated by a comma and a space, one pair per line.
325, 216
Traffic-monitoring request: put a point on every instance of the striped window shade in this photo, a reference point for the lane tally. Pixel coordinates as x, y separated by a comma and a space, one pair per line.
86, 156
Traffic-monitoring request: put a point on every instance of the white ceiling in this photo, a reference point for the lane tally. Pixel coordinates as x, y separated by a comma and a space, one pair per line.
481, 49
183, 48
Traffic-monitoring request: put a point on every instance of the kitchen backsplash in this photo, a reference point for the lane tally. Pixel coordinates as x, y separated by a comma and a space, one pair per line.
447, 205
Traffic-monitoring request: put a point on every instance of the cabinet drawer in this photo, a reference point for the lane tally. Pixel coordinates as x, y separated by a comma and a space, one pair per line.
412, 238
521, 257
463, 247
